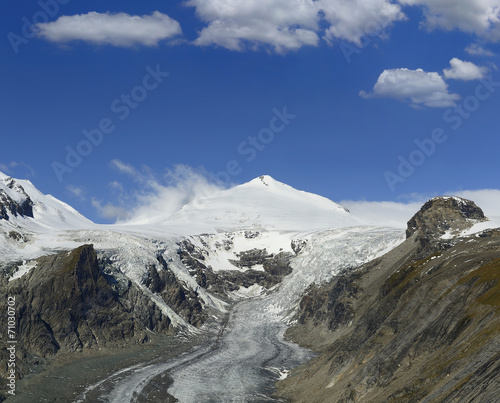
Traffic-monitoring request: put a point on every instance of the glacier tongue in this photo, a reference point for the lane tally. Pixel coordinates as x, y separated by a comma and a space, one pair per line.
252, 354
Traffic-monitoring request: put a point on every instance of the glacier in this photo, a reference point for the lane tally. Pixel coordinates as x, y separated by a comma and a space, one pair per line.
244, 357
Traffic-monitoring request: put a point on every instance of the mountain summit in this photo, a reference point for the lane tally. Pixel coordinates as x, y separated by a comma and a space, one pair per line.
262, 203
445, 214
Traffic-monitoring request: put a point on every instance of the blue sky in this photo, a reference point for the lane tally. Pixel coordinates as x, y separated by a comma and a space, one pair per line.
354, 100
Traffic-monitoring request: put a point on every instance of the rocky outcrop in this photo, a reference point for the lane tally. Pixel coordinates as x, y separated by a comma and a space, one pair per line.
297, 245
182, 300
331, 305
67, 303
419, 324
9, 207
255, 266
276, 265
442, 214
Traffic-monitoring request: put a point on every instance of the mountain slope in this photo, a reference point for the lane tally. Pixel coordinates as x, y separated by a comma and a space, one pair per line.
419, 324
70, 304
31, 223
261, 204
44, 211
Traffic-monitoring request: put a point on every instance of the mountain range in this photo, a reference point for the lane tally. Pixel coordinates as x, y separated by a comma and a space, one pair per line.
391, 315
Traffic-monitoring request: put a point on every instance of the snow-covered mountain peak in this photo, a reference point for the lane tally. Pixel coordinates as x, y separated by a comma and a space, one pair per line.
262, 203
23, 205
265, 180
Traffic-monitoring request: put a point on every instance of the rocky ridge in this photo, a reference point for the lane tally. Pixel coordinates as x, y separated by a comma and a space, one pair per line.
444, 214
250, 267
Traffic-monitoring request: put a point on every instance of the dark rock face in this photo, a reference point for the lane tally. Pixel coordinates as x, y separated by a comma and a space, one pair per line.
275, 267
16, 236
442, 214
8, 206
298, 245
182, 300
416, 325
67, 303
250, 258
331, 306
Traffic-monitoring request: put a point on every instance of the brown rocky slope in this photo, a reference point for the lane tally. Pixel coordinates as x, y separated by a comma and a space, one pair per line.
420, 324
68, 304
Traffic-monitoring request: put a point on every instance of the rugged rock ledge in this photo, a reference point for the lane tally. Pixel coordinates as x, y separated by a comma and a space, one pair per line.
419, 324
66, 303
442, 214
274, 268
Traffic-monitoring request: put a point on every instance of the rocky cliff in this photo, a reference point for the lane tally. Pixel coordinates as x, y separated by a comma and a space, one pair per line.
274, 267
419, 324
67, 303
444, 214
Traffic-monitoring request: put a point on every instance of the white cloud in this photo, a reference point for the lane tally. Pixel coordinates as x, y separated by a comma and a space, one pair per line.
154, 198
478, 50
126, 169
481, 17
384, 213
281, 24
290, 24
111, 29
466, 71
417, 86
350, 20
76, 191
115, 185
110, 211
397, 214
170, 193
20, 169
4, 168
487, 199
